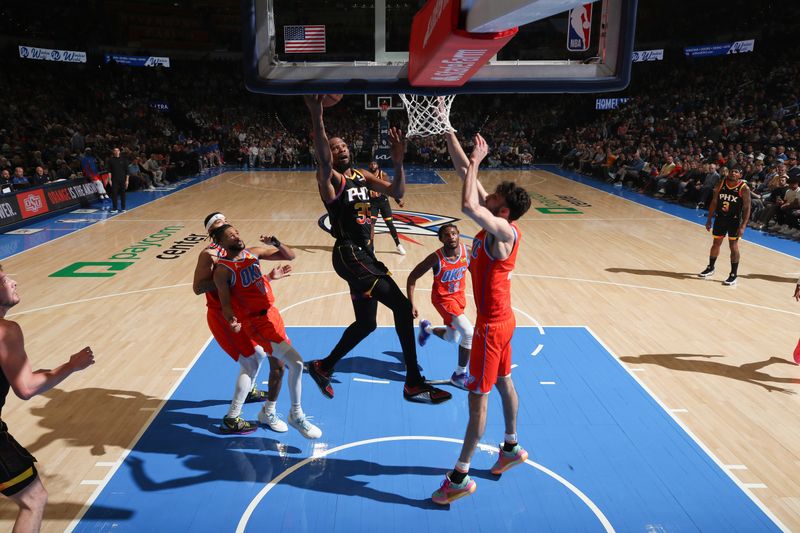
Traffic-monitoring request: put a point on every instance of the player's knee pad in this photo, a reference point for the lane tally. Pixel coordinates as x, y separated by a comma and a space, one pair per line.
250, 365
285, 352
464, 327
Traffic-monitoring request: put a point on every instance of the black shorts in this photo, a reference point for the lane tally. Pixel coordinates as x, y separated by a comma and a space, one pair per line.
358, 266
380, 205
16, 464
726, 226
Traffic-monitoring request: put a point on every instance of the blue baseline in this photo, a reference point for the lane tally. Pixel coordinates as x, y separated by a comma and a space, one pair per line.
698, 216
596, 427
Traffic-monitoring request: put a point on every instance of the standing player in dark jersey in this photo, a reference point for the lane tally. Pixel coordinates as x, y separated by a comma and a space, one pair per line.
494, 254
730, 209
18, 477
345, 193
379, 205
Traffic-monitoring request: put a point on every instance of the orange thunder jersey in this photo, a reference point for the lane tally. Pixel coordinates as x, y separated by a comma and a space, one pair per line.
491, 278
251, 291
448, 277
212, 300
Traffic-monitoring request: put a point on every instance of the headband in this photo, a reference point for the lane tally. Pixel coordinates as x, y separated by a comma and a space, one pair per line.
218, 216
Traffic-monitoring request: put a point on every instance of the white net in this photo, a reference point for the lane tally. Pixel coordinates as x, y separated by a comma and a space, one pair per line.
427, 115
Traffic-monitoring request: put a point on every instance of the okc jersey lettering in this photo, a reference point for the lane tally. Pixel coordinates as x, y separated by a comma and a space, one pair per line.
453, 275
250, 290
252, 274
447, 276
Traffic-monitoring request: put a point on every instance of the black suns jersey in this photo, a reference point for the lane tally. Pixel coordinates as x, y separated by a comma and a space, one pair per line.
349, 212
729, 200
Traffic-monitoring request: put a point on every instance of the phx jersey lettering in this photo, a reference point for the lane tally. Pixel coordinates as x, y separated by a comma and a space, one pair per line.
449, 291
353, 258
233, 343
349, 212
727, 216
252, 300
490, 356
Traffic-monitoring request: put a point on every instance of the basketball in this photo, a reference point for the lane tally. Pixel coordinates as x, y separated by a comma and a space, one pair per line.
331, 99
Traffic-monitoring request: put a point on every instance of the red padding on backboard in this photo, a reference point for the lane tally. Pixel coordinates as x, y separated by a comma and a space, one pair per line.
441, 54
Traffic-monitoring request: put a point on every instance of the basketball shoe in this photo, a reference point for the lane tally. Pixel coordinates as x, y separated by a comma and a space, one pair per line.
272, 421
450, 492
237, 426
709, 271
256, 395
307, 429
797, 353
320, 377
731, 280
460, 380
508, 459
425, 393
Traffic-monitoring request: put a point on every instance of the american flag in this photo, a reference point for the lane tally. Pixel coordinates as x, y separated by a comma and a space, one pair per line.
304, 39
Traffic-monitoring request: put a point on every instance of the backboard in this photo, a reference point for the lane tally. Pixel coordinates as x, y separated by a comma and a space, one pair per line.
361, 47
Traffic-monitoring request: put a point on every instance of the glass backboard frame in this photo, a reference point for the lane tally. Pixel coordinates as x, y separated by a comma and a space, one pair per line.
387, 73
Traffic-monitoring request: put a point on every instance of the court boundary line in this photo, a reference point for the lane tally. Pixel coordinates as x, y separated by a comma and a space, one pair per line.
742, 486
110, 474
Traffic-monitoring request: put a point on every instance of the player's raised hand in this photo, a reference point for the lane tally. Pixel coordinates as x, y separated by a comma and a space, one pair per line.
314, 101
397, 141
82, 359
279, 272
481, 149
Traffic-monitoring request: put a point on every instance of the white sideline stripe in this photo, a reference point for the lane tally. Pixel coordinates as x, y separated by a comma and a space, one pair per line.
128, 449
92, 481
637, 370
381, 381
736, 467
689, 432
537, 350
179, 369
678, 410
755, 485
106, 463
148, 408
514, 366
547, 383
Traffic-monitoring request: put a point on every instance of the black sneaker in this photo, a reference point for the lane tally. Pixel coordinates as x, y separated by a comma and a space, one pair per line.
256, 395
709, 271
731, 280
425, 393
320, 377
237, 426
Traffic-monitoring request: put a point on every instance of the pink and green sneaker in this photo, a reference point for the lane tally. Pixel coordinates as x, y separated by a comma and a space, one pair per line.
507, 460
450, 492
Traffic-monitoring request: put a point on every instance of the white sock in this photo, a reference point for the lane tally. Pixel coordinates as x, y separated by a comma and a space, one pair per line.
244, 384
461, 370
269, 407
511, 437
429, 329
296, 412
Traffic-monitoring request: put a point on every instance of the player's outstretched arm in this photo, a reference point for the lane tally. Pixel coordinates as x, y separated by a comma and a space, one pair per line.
416, 273
25, 382
322, 148
277, 251
203, 279
461, 161
470, 200
222, 277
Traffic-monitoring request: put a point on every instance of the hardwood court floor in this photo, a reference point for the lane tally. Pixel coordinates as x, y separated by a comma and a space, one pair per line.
719, 356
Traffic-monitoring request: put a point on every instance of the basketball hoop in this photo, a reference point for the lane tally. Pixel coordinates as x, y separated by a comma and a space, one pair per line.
384, 109
428, 115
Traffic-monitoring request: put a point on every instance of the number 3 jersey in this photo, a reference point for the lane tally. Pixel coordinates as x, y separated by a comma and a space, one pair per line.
449, 276
729, 200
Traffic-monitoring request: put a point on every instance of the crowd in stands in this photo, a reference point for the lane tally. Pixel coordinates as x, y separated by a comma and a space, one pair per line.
680, 137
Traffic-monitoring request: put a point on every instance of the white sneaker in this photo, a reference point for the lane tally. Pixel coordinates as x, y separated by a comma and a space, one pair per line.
306, 428
401, 250
272, 421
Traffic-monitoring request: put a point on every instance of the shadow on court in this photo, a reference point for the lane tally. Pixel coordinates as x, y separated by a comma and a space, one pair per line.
748, 372
312, 249
657, 273
375, 368
769, 277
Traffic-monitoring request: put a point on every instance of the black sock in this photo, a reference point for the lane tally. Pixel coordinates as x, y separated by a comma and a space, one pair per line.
508, 446
711, 261
457, 477
734, 268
